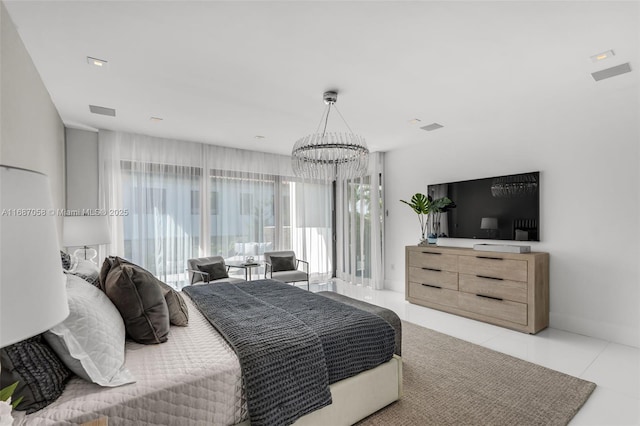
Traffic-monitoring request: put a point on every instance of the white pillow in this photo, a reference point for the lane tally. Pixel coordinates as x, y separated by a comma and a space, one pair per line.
91, 340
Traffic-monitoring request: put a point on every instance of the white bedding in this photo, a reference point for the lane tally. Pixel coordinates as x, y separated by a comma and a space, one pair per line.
193, 378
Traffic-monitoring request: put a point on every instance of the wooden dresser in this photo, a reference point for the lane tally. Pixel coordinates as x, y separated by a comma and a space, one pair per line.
506, 289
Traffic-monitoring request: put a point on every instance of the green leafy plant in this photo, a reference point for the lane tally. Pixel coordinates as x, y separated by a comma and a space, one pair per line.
6, 393
420, 204
428, 211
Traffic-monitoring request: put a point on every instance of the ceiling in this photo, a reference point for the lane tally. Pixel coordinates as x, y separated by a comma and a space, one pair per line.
225, 72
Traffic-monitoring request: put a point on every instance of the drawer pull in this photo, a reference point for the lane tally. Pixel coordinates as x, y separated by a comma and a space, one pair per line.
490, 278
490, 297
429, 252
432, 269
432, 286
489, 257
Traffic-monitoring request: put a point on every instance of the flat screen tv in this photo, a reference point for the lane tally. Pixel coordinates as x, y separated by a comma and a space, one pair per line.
496, 208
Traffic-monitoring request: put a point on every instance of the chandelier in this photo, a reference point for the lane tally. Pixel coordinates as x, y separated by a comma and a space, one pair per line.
330, 156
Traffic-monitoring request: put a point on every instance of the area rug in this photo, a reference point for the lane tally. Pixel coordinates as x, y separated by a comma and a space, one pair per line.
448, 381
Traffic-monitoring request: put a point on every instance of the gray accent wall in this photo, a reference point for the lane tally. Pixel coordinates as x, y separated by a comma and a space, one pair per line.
82, 169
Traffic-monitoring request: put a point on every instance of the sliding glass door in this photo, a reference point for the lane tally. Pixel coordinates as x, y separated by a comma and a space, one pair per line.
188, 200
360, 227
252, 213
162, 228
242, 214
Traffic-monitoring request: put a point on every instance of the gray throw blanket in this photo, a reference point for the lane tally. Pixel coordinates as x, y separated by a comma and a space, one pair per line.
388, 315
292, 343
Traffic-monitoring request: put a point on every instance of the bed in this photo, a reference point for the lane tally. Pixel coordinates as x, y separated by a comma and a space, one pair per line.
196, 378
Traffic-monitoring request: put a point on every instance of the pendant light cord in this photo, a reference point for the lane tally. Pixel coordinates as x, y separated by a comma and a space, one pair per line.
344, 121
325, 117
326, 121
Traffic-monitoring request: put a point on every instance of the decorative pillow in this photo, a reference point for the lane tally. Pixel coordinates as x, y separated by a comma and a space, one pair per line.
140, 301
106, 267
40, 374
283, 263
91, 340
87, 270
215, 270
178, 311
66, 260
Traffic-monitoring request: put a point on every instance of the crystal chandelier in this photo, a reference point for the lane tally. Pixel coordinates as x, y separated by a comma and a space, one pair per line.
330, 156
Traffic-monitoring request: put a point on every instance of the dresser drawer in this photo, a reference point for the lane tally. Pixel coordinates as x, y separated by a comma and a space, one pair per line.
434, 276
428, 293
501, 309
515, 291
431, 259
494, 267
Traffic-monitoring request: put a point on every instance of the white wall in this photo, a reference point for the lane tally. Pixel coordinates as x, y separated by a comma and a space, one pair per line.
31, 131
82, 169
586, 149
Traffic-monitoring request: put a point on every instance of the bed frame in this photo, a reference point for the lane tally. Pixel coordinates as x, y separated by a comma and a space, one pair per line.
353, 398
358, 397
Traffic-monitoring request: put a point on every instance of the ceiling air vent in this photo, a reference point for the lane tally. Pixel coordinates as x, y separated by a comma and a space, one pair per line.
102, 110
611, 72
432, 126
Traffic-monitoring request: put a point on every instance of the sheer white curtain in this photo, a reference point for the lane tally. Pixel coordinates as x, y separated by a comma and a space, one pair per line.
311, 227
255, 205
189, 200
360, 230
155, 183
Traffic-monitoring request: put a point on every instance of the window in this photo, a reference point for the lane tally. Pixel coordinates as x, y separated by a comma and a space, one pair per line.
163, 225
214, 203
195, 202
245, 204
242, 222
190, 200
361, 230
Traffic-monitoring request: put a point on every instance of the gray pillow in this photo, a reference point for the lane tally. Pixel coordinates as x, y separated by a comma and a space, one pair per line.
178, 311
40, 374
140, 301
215, 270
283, 263
108, 263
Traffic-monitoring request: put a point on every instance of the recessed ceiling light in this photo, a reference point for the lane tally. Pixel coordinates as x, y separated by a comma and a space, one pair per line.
156, 118
414, 121
432, 126
602, 56
259, 137
96, 62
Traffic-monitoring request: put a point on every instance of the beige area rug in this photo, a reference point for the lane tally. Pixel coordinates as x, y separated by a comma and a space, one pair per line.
448, 381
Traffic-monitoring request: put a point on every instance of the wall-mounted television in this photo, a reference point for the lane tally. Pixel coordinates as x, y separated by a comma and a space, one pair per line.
496, 208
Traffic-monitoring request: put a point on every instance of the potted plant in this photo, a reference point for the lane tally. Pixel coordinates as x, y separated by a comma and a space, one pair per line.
428, 211
420, 205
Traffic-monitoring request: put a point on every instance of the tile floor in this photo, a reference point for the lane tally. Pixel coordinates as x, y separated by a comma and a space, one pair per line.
613, 367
